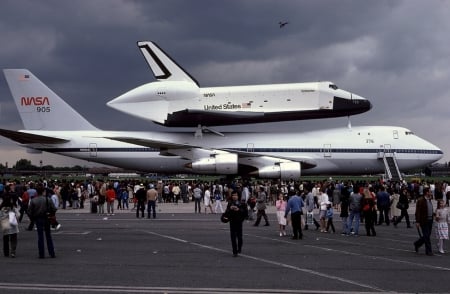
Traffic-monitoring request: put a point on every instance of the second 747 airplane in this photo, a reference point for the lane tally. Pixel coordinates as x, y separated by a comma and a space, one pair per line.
51, 125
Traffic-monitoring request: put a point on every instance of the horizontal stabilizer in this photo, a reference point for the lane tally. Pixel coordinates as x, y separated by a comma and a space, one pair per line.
27, 138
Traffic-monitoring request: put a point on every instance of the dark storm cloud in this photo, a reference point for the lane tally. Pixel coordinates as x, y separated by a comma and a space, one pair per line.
393, 52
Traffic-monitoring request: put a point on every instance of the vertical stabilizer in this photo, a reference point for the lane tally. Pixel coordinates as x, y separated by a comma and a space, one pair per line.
163, 67
39, 107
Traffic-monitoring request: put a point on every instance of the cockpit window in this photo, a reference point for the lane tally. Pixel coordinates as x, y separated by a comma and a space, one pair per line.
409, 133
333, 86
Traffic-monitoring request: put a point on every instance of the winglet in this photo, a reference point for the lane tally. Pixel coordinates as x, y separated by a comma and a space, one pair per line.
39, 107
164, 68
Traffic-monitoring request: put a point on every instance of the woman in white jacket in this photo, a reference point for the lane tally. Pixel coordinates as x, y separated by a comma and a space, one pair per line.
8, 214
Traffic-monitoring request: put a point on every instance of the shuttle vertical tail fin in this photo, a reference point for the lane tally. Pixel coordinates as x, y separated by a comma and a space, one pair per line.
164, 68
39, 107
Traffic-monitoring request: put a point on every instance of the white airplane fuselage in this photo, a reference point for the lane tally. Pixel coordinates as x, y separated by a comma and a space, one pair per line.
335, 151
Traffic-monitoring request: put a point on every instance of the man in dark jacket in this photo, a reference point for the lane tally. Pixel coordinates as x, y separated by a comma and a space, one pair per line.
39, 208
424, 221
236, 212
141, 197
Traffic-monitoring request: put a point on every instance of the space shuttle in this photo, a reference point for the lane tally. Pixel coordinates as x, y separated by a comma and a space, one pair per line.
176, 99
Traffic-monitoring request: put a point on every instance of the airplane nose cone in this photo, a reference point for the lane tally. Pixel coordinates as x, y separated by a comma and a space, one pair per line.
353, 106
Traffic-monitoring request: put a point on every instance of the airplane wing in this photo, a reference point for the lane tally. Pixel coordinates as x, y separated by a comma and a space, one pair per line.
27, 138
193, 152
150, 143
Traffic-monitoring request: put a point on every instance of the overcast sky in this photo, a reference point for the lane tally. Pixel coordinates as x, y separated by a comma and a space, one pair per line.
395, 53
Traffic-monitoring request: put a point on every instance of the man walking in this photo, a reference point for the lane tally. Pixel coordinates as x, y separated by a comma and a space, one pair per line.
38, 209
294, 206
261, 207
424, 221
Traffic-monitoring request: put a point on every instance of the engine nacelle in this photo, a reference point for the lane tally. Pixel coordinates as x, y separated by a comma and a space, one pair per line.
282, 170
226, 164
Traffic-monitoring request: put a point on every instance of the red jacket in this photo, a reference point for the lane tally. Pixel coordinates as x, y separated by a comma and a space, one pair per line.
110, 195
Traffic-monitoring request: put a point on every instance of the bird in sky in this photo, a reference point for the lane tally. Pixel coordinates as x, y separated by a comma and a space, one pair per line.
283, 23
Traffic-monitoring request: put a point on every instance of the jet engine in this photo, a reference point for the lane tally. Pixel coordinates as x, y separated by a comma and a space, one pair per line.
281, 170
226, 163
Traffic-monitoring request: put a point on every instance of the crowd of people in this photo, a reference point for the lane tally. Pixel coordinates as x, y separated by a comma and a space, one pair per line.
297, 203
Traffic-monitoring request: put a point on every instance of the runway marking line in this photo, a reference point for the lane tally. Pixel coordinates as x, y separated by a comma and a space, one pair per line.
360, 255
280, 264
166, 290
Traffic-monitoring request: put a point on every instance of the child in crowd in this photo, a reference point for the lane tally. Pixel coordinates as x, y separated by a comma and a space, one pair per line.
329, 217
441, 225
281, 207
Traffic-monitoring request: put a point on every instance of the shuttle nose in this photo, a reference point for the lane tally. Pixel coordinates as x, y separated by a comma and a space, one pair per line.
355, 105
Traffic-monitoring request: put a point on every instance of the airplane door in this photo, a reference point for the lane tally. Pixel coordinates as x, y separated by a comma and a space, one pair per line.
250, 147
395, 134
387, 149
92, 150
326, 150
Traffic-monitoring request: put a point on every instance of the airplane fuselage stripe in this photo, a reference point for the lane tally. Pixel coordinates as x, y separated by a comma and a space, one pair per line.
255, 150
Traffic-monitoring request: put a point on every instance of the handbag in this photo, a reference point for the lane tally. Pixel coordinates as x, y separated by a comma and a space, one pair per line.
50, 214
400, 205
12, 218
309, 218
224, 217
5, 223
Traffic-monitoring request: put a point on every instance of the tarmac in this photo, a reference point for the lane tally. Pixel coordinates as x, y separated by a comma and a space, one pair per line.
185, 252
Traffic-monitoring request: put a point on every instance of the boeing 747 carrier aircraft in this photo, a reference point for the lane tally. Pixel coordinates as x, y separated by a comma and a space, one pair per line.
51, 125
177, 100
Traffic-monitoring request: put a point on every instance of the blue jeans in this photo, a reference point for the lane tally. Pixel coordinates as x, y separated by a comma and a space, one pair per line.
151, 206
43, 225
353, 215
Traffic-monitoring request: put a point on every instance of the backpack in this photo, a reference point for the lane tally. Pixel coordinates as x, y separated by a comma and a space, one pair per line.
25, 198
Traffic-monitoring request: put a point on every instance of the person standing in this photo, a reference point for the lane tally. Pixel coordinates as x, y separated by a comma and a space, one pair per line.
31, 192
403, 204
207, 200
8, 211
152, 195
141, 196
355, 212
176, 193
101, 198
323, 204
55, 224
38, 209
197, 198
218, 199
329, 217
110, 198
294, 206
424, 221
345, 200
369, 212
261, 207
236, 212
309, 201
383, 205
281, 208
442, 221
